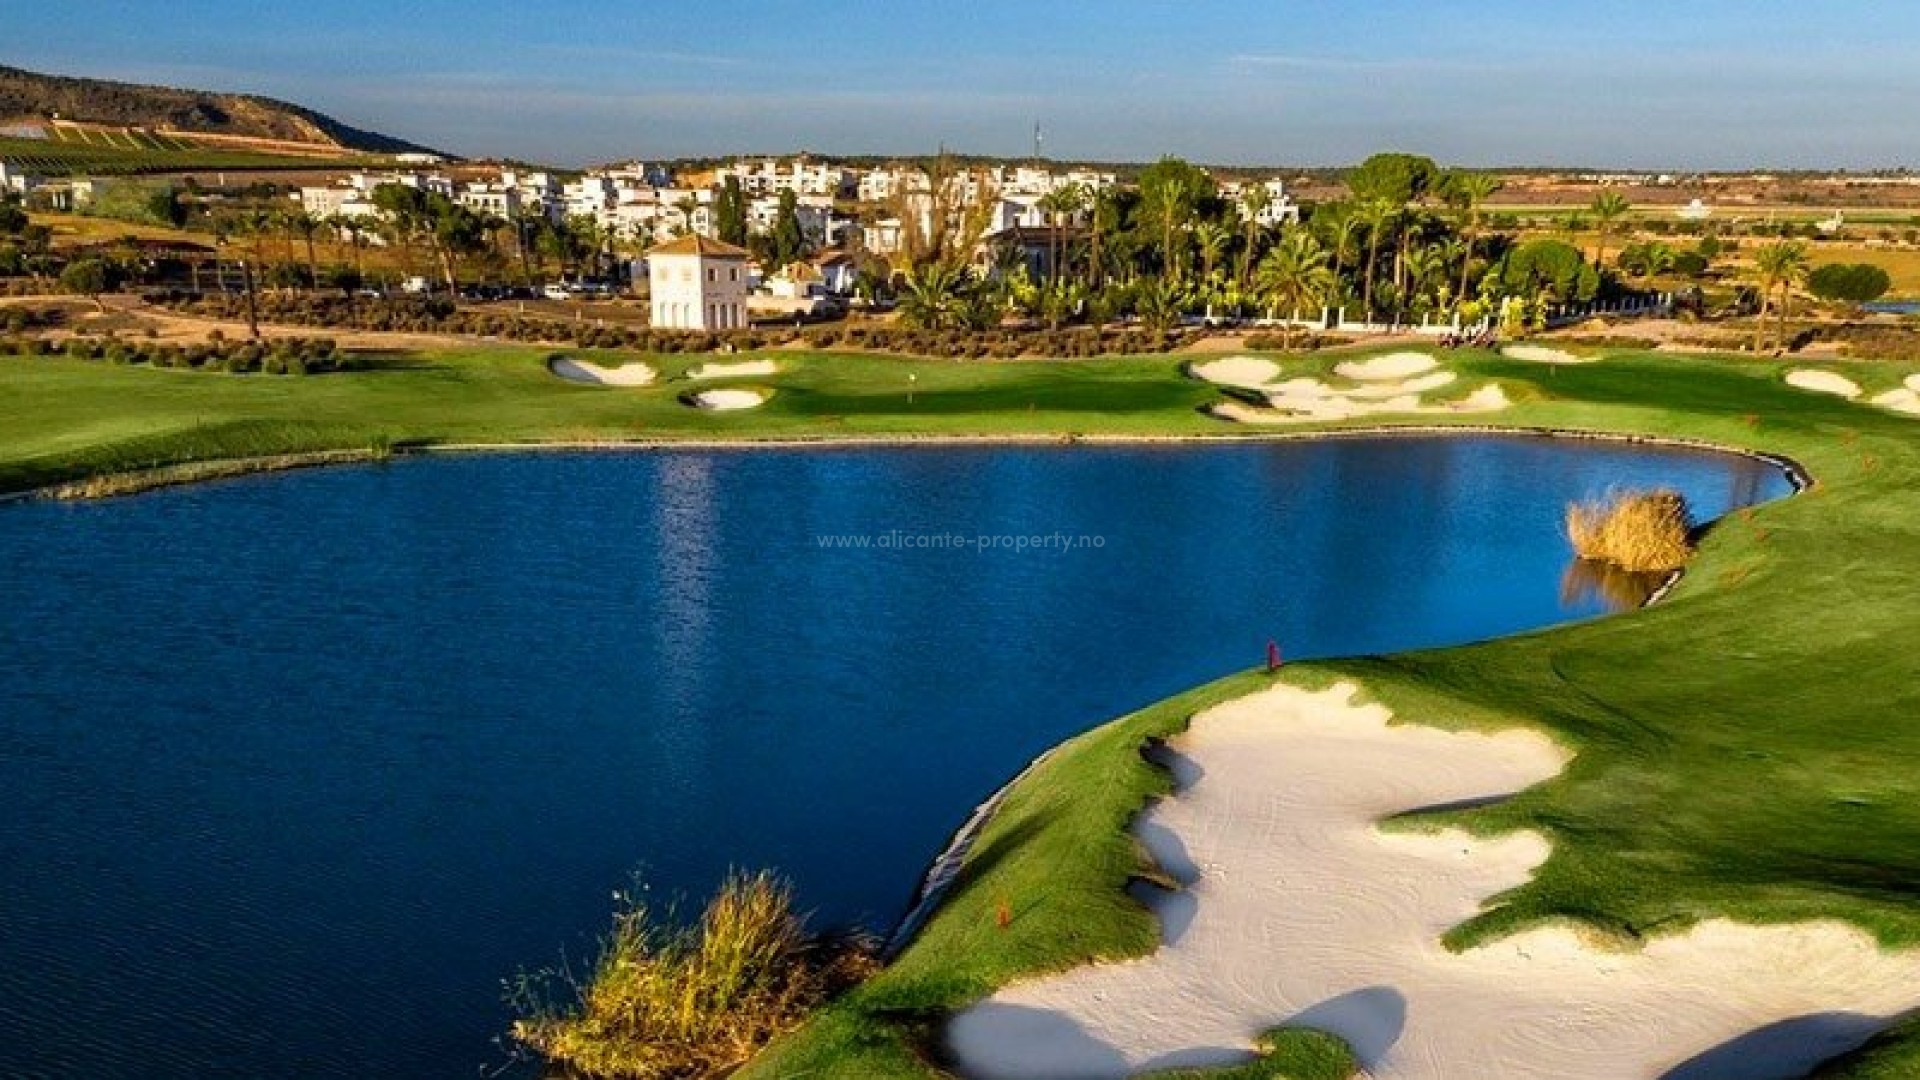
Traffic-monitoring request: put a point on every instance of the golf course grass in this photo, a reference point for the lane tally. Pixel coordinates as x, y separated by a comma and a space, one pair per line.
1749, 748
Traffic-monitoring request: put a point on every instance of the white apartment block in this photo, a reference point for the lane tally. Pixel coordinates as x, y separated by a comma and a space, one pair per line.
771, 176
1279, 207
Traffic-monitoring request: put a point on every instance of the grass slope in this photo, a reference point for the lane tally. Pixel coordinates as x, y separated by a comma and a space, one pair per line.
101, 155
1746, 749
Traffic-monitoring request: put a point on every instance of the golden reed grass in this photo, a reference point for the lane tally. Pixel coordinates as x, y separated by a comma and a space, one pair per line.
1641, 530
667, 1003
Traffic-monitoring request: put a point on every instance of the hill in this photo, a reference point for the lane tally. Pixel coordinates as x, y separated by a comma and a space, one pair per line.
32, 98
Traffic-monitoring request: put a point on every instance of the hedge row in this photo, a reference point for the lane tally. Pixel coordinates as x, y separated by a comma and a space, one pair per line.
442, 317
282, 356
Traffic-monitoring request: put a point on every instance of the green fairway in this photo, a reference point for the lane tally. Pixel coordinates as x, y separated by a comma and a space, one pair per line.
1750, 748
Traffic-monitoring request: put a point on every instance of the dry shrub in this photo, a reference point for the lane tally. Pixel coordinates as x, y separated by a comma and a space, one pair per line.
672, 1003
1643, 530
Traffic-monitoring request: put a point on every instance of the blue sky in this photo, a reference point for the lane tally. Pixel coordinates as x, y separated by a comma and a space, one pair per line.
1714, 84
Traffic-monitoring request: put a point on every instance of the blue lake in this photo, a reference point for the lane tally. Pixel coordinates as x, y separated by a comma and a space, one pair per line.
298, 770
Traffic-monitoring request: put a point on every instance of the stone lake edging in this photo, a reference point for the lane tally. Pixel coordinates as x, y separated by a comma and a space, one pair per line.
947, 865
139, 480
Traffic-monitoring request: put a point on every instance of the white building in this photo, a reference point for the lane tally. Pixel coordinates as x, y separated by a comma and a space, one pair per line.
698, 284
14, 180
1277, 209
772, 176
488, 199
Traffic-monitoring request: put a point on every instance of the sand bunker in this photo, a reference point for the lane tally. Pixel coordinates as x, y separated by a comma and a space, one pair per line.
592, 374
733, 370
1298, 910
729, 400
1906, 399
1248, 371
1540, 354
1307, 401
1398, 365
1823, 382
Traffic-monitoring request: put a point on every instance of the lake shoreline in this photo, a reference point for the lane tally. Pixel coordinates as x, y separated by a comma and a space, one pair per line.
139, 481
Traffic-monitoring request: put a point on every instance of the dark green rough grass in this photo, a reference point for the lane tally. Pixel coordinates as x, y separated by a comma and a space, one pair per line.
1748, 749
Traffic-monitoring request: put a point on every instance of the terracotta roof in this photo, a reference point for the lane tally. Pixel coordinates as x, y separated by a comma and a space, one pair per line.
695, 244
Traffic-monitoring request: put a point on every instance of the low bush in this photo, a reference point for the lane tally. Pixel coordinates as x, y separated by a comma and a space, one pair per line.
1645, 530
417, 314
665, 1002
286, 356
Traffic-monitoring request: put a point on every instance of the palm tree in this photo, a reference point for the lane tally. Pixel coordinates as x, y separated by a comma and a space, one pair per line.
355, 229
1211, 238
1103, 219
1376, 215
1608, 207
1294, 275
1778, 266
1255, 198
1060, 205
1427, 270
1468, 191
933, 296
306, 226
1647, 260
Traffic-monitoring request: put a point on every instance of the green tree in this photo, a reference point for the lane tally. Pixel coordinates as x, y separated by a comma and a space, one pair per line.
1546, 268
1608, 208
789, 240
1849, 283
730, 212
347, 279
1170, 194
13, 220
88, 278
1393, 177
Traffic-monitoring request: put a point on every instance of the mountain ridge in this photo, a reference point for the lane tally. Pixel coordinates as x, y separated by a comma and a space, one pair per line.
32, 97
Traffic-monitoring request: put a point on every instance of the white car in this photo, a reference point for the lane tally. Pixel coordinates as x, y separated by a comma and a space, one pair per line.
557, 292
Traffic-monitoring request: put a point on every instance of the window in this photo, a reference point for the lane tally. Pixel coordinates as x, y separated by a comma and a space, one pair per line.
712, 274
733, 274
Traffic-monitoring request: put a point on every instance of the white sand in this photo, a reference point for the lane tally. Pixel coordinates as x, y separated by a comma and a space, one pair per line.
1398, 365
1489, 398
733, 370
1540, 354
1905, 400
728, 400
1304, 401
592, 374
1823, 382
1420, 385
1300, 911
1248, 371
